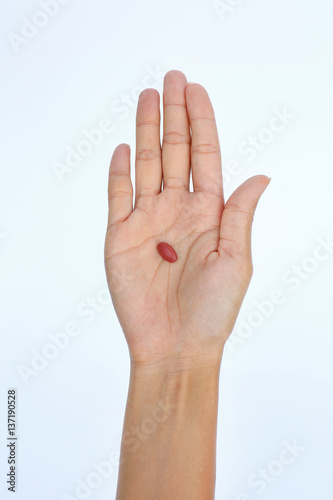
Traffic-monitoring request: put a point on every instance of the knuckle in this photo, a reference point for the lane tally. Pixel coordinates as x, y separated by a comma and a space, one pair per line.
244, 214
175, 182
212, 188
146, 154
144, 191
146, 123
175, 137
115, 173
119, 194
206, 149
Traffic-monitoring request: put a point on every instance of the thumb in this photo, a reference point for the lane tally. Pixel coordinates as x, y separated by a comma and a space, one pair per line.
237, 217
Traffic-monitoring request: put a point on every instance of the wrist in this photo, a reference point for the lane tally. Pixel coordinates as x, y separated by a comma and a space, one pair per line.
175, 382
179, 364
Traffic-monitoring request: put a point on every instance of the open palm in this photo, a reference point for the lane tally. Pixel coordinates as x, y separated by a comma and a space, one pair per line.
186, 309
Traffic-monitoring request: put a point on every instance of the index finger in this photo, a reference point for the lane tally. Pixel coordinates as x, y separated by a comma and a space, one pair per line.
205, 146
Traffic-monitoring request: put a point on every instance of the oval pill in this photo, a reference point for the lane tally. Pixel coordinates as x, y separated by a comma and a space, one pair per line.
167, 252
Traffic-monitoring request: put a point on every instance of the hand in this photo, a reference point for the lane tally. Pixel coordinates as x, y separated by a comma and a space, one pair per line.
183, 311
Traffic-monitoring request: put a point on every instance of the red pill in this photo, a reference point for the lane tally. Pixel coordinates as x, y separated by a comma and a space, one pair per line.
166, 252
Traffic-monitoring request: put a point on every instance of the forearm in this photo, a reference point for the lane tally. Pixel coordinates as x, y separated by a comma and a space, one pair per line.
169, 436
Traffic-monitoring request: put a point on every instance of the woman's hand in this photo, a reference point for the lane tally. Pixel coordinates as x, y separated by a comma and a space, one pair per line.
181, 312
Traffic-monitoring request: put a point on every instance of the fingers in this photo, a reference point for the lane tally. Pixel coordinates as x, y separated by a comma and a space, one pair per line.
237, 218
176, 133
120, 191
148, 169
205, 148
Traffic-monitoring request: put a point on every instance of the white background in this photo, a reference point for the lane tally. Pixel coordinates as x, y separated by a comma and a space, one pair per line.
88, 63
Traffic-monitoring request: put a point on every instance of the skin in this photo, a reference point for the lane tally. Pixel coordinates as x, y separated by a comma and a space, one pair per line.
176, 317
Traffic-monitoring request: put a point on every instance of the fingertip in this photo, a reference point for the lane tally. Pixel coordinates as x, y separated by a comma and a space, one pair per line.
120, 160
119, 150
175, 73
257, 183
148, 93
265, 179
123, 145
194, 90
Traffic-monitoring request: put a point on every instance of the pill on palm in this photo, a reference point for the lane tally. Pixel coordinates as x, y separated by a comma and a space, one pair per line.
167, 252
